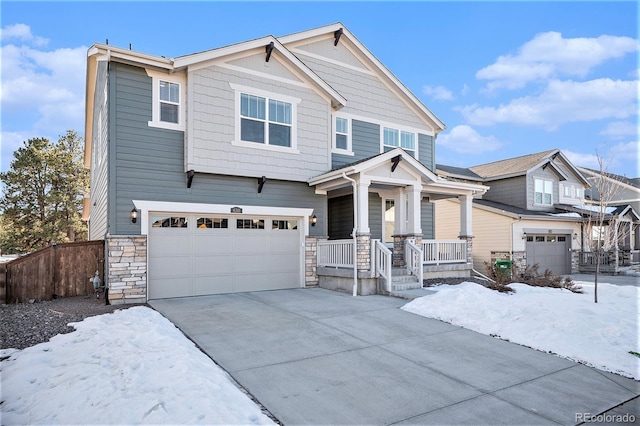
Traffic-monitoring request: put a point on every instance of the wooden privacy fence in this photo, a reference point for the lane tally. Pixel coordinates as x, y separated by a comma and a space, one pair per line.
61, 270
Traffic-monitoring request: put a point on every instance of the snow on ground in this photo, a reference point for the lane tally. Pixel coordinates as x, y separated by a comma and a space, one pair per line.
553, 320
129, 367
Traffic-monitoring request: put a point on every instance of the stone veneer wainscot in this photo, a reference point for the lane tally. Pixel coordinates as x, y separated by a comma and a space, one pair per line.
127, 269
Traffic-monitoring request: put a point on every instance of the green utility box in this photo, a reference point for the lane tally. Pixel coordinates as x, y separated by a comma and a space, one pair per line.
504, 266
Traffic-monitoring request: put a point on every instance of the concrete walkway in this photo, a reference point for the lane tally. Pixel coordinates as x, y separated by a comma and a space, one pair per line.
313, 356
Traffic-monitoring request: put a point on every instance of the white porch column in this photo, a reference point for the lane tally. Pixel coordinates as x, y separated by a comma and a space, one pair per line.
466, 206
363, 206
414, 196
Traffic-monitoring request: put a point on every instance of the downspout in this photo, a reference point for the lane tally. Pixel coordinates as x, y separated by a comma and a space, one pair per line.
353, 234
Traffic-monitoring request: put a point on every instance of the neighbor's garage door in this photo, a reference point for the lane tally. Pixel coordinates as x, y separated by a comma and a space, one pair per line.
193, 255
549, 252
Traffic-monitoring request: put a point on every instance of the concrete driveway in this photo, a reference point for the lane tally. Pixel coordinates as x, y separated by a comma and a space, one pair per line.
314, 356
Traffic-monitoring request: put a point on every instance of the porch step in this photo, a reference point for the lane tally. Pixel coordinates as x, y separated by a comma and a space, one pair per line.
402, 280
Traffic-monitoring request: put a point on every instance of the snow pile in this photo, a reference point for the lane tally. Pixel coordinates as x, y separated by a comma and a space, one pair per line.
553, 320
129, 367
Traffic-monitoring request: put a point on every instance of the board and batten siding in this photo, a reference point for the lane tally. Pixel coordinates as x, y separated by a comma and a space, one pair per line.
427, 219
212, 120
99, 156
148, 164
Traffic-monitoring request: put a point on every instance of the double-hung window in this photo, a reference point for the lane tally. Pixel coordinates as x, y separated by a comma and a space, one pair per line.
168, 97
543, 192
169, 102
341, 137
266, 121
394, 138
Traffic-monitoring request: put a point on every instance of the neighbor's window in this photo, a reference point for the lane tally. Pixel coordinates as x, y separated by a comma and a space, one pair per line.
543, 192
267, 121
342, 134
169, 102
394, 138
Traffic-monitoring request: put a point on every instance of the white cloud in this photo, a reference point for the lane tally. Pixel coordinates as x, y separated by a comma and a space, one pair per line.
438, 92
619, 129
464, 139
562, 102
549, 55
22, 33
42, 90
11, 141
622, 156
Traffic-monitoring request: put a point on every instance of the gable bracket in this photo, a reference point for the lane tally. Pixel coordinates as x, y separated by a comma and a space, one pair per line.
261, 181
269, 48
190, 175
336, 35
395, 160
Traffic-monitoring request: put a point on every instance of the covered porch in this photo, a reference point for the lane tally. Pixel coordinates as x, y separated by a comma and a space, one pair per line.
381, 226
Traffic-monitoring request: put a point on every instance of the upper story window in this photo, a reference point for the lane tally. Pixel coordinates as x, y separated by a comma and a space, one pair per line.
342, 136
394, 138
168, 100
264, 119
543, 192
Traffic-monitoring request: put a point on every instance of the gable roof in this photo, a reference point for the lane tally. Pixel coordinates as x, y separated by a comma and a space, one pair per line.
373, 62
634, 182
457, 172
511, 166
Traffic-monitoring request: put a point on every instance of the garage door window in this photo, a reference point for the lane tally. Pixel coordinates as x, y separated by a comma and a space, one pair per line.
285, 224
169, 222
212, 223
250, 224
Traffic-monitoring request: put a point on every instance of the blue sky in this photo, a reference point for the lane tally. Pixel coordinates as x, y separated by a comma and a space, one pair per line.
507, 78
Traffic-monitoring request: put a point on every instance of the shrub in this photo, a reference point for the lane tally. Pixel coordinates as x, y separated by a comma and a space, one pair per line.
530, 276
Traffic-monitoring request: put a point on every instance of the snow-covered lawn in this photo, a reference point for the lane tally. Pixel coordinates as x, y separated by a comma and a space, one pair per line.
129, 367
568, 324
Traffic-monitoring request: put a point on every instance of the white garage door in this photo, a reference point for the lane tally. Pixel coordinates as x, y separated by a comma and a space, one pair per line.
194, 255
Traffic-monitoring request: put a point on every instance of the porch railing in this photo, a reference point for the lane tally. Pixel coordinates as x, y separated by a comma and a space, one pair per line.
382, 261
335, 253
413, 259
436, 252
608, 258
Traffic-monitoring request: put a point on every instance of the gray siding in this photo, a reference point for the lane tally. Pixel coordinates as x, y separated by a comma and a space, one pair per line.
426, 151
365, 141
511, 191
99, 156
149, 165
427, 219
546, 174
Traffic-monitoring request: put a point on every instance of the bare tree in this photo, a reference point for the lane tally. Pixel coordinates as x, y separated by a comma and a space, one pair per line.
602, 225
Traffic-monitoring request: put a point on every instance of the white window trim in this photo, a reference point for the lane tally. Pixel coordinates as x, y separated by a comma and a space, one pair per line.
239, 89
334, 149
543, 192
180, 79
400, 129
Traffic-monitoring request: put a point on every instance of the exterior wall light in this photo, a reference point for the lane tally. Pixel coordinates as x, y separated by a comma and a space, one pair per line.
134, 215
313, 220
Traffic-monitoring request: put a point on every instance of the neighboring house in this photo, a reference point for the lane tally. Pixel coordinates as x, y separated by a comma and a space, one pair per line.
526, 215
274, 163
622, 202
